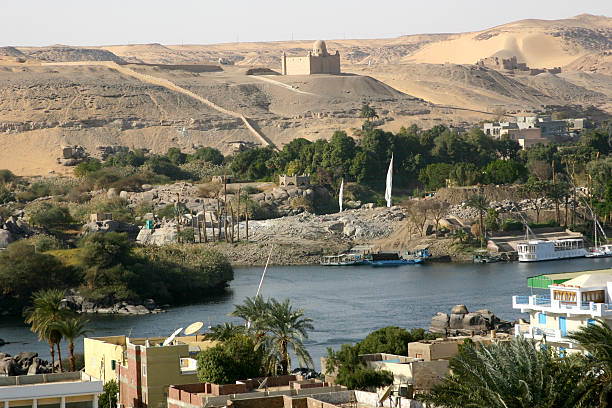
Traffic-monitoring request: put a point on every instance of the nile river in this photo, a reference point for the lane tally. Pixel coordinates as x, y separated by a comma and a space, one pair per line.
346, 303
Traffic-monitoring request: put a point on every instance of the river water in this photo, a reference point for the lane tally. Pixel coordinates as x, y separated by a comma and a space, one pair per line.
346, 303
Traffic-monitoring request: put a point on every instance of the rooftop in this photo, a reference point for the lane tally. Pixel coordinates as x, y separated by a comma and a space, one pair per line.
545, 280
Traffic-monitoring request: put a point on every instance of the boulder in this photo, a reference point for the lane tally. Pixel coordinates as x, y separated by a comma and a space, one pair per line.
7, 366
111, 193
336, 226
439, 323
459, 309
5, 238
124, 194
456, 321
474, 321
146, 187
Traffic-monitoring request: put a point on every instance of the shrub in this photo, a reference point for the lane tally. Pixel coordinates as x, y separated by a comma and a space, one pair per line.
86, 167
109, 398
49, 215
44, 243
511, 225
207, 154
5, 195
232, 360
6, 176
504, 172
24, 271
491, 220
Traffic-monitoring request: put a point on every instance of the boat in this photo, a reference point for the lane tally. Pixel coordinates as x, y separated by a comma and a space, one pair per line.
347, 259
392, 259
482, 256
540, 250
603, 251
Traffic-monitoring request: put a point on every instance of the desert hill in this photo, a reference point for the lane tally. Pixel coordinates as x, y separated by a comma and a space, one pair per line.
157, 96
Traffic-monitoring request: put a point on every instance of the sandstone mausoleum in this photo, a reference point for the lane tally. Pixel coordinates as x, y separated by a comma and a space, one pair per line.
318, 61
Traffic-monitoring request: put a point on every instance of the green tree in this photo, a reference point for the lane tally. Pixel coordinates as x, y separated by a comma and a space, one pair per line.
86, 167
465, 174
234, 359
434, 175
504, 172
253, 311
24, 271
286, 329
352, 372
108, 399
492, 220
596, 339
367, 112
208, 154
557, 192
50, 216
42, 316
225, 331
72, 328
391, 339
6, 195
175, 156
515, 374
480, 203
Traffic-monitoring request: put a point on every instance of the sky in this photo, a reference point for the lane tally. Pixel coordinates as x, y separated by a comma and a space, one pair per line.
107, 22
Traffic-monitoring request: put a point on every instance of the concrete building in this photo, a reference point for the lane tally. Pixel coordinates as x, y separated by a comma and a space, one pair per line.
318, 61
447, 348
409, 374
280, 391
570, 301
143, 367
528, 130
59, 390
295, 181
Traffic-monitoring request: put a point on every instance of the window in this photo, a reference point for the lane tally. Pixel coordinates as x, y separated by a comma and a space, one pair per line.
541, 318
590, 322
144, 370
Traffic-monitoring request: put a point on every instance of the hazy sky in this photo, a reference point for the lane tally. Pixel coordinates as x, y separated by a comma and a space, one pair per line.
98, 22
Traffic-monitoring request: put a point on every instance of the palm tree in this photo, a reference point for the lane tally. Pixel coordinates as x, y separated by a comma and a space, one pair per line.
285, 329
596, 339
514, 374
480, 203
72, 328
225, 331
45, 311
253, 311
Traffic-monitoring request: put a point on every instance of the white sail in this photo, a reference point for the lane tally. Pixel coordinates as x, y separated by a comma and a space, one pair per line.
340, 195
389, 182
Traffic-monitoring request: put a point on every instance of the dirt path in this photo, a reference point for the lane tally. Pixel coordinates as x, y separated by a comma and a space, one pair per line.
289, 87
174, 87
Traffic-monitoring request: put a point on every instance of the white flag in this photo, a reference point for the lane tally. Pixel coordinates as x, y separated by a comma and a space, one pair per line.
389, 182
340, 195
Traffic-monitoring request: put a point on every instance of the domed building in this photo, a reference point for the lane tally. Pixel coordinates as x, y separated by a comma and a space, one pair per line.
318, 61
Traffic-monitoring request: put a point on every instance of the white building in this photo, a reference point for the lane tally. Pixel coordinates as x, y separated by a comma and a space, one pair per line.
59, 390
573, 300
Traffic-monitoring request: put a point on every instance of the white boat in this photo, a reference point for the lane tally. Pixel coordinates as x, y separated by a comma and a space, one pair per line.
540, 250
603, 251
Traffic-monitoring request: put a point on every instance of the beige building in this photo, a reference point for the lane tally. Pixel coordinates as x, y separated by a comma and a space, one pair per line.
573, 301
318, 61
58, 390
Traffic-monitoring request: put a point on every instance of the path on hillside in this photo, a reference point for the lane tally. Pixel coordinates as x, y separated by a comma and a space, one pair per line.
282, 85
174, 87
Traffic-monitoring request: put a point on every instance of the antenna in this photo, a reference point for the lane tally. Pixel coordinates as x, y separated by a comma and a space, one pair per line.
193, 328
172, 336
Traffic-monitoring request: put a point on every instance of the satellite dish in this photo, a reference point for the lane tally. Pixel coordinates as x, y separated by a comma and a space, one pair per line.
385, 395
193, 328
172, 336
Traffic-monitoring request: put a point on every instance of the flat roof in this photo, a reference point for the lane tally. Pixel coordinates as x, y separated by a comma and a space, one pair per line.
545, 280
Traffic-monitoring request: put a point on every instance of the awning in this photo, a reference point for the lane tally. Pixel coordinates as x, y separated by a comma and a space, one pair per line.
544, 281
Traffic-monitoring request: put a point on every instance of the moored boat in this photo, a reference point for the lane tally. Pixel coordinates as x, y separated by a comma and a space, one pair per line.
342, 260
539, 250
603, 251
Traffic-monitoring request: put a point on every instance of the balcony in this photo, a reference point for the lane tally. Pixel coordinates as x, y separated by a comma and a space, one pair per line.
545, 304
537, 333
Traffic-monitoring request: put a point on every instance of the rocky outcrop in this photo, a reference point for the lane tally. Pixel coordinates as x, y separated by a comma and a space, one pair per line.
460, 320
25, 363
79, 304
132, 230
13, 228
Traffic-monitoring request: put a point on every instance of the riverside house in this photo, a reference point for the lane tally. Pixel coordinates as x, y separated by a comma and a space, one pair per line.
568, 301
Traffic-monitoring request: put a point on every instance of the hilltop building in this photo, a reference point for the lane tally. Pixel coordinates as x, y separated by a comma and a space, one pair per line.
573, 300
318, 61
511, 64
58, 390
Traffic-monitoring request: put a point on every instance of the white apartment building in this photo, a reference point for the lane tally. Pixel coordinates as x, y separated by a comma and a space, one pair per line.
573, 300
59, 390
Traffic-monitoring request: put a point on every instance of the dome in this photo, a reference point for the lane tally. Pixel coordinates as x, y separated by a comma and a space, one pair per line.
319, 48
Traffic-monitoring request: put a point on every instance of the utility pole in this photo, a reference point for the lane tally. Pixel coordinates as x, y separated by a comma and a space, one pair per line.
238, 213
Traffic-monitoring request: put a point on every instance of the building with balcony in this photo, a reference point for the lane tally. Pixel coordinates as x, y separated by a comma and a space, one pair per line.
571, 301
58, 390
144, 367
